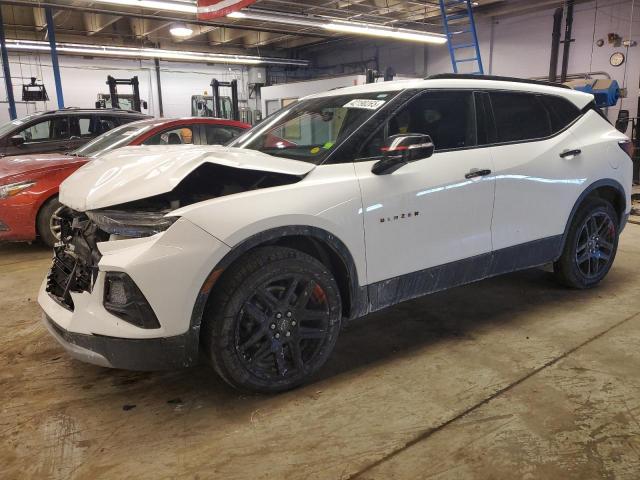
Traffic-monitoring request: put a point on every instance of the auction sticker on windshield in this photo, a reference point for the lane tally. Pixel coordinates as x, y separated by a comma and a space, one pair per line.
364, 103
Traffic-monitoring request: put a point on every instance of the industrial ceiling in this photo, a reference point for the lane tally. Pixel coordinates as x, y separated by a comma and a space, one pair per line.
108, 23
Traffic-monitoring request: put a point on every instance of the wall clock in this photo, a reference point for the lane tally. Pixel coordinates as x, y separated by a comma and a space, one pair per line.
616, 59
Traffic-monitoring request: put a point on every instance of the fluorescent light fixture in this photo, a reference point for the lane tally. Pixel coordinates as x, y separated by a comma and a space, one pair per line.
134, 52
357, 28
187, 6
180, 30
385, 32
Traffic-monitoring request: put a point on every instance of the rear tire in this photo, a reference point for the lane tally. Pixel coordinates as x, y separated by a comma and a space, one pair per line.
46, 224
591, 245
272, 321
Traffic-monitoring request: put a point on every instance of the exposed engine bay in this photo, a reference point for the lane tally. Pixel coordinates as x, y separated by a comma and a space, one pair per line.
209, 181
148, 216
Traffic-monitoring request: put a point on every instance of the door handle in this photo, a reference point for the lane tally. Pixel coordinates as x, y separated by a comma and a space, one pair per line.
570, 153
476, 172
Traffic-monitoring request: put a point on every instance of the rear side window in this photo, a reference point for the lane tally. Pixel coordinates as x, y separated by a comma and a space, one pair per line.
220, 134
174, 136
83, 126
561, 110
519, 117
106, 123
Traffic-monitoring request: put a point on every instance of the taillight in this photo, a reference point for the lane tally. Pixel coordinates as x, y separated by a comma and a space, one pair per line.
627, 147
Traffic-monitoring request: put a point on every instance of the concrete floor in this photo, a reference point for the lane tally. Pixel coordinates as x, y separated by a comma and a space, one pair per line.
514, 377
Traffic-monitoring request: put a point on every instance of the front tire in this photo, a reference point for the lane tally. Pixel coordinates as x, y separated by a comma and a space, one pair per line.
590, 247
273, 320
46, 222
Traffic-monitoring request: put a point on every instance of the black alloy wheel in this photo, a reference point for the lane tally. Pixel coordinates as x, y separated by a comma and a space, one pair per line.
595, 244
282, 327
591, 245
273, 320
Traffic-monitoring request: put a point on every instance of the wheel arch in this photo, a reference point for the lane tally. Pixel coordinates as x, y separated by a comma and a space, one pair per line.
315, 241
40, 204
608, 189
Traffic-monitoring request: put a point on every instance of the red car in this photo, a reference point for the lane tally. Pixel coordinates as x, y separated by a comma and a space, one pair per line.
29, 183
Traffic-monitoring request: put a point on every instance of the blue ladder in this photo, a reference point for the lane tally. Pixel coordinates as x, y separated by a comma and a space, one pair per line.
462, 37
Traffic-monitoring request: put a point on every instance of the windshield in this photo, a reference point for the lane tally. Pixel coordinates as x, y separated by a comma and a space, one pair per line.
7, 127
310, 129
116, 138
203, 106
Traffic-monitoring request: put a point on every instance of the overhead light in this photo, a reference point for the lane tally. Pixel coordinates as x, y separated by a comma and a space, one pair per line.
378, 31
180, 30
134, 52
181, 6
358, 28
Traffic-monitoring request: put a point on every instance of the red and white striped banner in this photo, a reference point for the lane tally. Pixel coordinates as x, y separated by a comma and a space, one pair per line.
209, 9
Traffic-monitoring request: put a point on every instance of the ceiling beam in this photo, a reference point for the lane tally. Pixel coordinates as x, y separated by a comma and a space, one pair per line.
520, 7
96, 22
40, 19
142, 27
220, 36
138, 14
197, 31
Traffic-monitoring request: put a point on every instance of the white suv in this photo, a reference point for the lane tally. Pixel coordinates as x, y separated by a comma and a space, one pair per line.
344, 203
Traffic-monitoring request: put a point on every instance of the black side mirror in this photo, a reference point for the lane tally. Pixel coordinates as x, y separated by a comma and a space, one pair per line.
622, 122
402, 149
17, 140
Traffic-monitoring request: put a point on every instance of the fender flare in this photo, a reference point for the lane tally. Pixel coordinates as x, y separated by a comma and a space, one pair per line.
606, 182
359, 297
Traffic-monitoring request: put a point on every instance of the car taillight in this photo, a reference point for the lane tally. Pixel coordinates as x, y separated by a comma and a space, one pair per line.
627, 147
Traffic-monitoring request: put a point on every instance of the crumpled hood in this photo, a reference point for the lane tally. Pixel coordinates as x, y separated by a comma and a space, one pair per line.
138, 172
36, 163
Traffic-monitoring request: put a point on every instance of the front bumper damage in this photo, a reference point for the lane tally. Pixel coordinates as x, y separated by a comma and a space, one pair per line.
169, 268
126, 353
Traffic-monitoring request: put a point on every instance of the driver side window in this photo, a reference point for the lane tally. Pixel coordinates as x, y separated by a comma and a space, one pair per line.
46, 131
448, 117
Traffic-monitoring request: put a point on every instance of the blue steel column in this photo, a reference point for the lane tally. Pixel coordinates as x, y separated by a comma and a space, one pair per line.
51, 30
7, 71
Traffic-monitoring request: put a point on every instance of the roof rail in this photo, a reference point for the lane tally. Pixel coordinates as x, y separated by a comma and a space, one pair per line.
92, 109
465, 76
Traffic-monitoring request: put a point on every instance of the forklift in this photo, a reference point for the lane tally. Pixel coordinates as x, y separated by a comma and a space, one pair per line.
122, 101
217, 106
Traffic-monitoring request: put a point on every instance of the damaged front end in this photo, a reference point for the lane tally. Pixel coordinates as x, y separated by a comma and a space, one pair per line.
148, 216
76, 257
131, 223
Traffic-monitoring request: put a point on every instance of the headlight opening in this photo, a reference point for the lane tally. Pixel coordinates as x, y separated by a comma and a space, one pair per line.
131, 223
